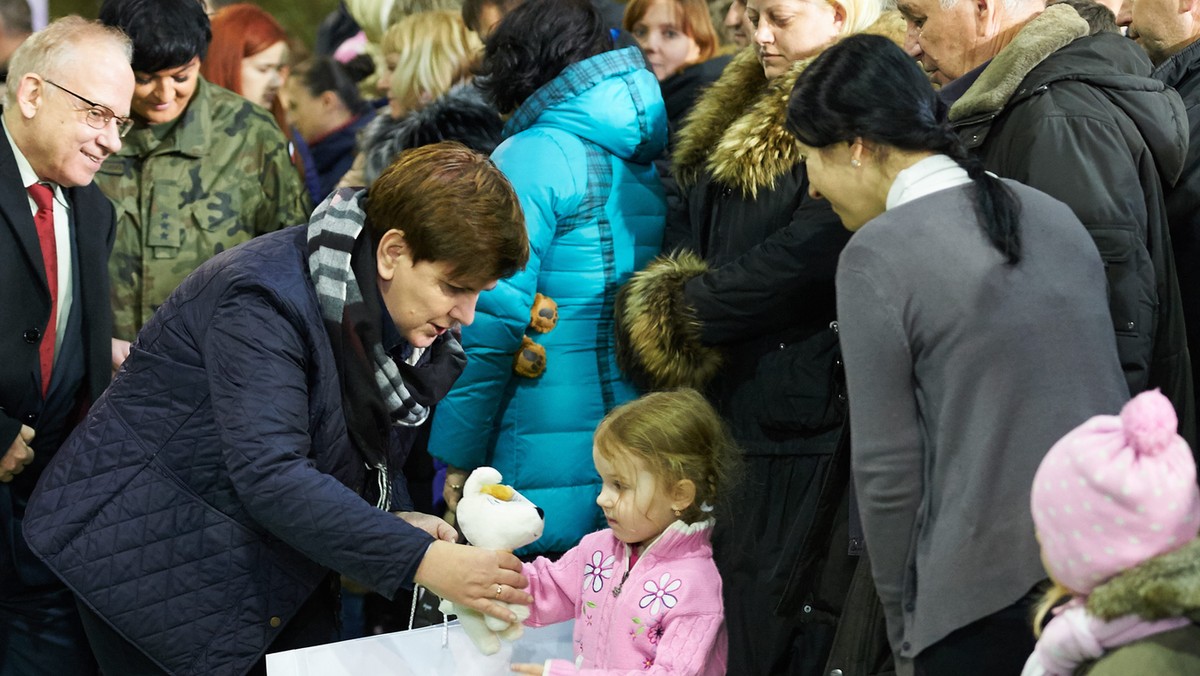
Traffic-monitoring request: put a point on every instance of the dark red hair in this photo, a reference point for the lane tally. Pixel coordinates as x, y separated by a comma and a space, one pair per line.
239, 31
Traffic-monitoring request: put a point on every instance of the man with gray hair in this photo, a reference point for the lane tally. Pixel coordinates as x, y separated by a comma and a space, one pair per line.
1170, 34
1045, 98
66, 108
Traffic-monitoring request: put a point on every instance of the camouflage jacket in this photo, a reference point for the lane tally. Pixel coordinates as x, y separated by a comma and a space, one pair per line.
219, 176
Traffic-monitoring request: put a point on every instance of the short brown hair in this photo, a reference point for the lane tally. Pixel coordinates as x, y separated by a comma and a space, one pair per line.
453, 206
677, 435
694, 20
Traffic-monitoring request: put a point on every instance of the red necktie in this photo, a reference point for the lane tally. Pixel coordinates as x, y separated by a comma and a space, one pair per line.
43, 197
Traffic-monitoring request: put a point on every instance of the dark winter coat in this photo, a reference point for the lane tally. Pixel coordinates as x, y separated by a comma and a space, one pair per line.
1182, 71
681, 90
1164, 587
766, 301
333, 154
1078, 117
461, 114
213, 486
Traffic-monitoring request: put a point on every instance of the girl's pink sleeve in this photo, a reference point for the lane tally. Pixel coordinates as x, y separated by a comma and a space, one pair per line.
556, 587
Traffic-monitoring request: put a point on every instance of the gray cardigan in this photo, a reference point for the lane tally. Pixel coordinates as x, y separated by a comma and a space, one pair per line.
962, 372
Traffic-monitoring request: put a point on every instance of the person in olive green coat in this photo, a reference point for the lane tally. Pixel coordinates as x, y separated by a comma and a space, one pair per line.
202, 171
1117, 512
1164, 587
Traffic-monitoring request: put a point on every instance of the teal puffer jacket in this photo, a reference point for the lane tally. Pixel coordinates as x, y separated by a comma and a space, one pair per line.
579, 153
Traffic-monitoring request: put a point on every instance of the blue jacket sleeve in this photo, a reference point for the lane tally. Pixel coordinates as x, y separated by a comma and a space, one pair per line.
548, 186
250, 350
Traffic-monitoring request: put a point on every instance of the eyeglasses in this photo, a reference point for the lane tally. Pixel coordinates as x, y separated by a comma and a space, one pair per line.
98, 116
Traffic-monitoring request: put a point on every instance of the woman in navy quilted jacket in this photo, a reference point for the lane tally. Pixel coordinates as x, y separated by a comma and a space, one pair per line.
252, 443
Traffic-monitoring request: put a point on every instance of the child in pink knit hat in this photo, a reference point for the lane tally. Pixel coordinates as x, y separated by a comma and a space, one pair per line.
1114, 493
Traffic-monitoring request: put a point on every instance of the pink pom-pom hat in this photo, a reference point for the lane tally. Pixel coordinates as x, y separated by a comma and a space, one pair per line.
1115, 491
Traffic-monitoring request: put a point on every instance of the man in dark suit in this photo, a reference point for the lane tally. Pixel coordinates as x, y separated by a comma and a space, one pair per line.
66, 106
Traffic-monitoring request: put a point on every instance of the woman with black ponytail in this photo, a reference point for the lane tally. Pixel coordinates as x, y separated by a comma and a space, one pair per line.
975, 332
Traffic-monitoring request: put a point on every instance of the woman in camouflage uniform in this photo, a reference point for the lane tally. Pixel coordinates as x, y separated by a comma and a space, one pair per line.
202, 171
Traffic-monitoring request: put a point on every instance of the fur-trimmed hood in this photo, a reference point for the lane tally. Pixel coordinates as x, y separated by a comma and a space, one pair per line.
1163, 587
1056, 27
737, 129
658, 338
1104, 61
461, 114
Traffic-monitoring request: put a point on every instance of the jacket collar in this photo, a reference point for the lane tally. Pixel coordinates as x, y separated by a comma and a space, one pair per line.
737, 130
1162, 587
1179, 67
1048, 32
679, 540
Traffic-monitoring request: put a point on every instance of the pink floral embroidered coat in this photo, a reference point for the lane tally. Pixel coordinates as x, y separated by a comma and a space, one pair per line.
663, 616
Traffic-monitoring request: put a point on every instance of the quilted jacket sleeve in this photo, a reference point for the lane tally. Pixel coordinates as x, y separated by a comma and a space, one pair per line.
256, 365
547, 186
759, 291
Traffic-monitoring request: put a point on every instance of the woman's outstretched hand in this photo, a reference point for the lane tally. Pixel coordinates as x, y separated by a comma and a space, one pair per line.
474, 577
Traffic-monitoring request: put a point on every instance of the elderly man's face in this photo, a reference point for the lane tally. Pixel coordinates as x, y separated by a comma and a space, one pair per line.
60, 144
943, 40
1159, 27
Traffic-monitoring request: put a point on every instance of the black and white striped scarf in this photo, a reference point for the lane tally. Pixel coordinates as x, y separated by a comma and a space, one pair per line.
341, 263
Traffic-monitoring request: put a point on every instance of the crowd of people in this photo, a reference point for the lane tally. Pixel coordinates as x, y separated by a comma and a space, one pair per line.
843, 336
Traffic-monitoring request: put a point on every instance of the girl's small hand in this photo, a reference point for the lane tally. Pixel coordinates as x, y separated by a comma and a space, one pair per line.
535, 669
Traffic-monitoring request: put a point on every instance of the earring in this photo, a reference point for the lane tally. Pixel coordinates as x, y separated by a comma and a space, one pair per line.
855, 163
678, 513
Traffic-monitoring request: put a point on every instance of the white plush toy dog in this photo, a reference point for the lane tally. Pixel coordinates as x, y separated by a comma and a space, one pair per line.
494, 516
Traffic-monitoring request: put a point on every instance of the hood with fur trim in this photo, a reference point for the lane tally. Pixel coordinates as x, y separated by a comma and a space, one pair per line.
1162, 587
461, 114
736, 130
1105, 61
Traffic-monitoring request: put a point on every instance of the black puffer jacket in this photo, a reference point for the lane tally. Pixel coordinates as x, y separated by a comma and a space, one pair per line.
1079, 117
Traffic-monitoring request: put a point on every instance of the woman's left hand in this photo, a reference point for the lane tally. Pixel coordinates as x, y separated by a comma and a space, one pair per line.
430, 524
453, 488
527, 668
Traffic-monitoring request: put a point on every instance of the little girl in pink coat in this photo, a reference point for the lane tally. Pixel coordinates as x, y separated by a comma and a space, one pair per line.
644, 593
